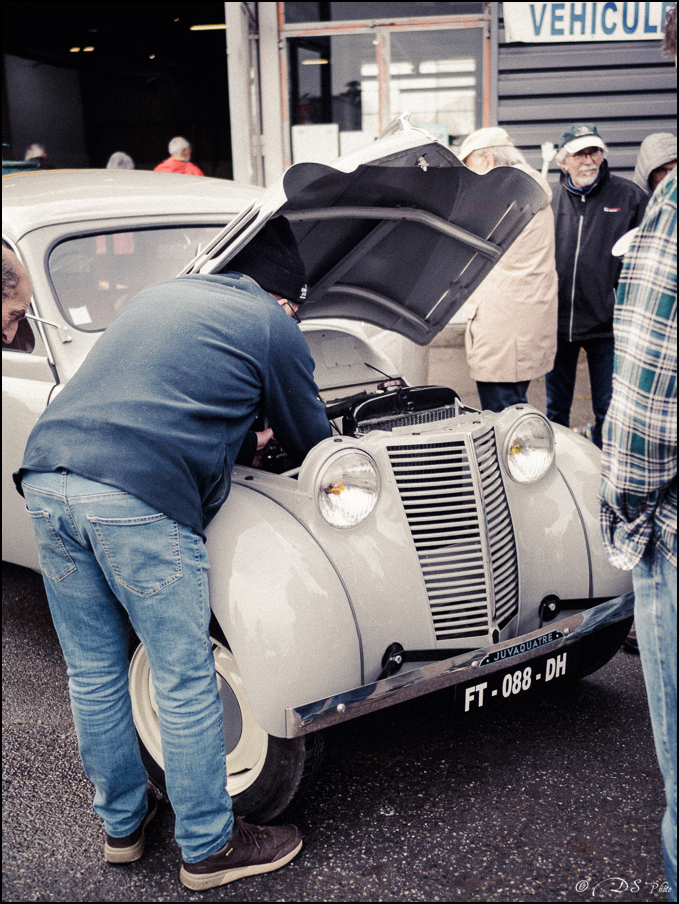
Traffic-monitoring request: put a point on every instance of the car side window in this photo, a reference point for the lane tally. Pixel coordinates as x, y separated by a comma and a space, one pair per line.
94, 276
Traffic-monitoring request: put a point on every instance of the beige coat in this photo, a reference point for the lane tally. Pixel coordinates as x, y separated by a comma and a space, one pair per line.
512, 316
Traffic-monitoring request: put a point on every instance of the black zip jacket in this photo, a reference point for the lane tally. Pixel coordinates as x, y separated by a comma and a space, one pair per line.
587, 227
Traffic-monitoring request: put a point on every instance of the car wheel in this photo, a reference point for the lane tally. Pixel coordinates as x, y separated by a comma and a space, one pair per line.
596, 649
264, 773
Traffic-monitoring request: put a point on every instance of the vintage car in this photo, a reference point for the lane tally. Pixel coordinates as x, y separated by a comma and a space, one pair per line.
424, 545
92, 239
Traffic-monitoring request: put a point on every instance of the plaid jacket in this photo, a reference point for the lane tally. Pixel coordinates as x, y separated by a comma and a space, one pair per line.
639, 468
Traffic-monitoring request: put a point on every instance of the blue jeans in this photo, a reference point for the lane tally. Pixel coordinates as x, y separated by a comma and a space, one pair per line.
655, 615
498, 396
560, 381
107, 555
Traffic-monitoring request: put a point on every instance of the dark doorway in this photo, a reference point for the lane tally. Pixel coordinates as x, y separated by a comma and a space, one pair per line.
140, 77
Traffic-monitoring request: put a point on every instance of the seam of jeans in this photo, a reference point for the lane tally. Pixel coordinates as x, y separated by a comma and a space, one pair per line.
656, 578
198, 549
42, 492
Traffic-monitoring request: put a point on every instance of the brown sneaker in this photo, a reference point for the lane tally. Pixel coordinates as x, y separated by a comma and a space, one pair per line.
131, 847
251, 850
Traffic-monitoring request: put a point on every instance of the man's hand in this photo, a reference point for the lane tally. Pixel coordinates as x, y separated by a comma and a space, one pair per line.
263, 439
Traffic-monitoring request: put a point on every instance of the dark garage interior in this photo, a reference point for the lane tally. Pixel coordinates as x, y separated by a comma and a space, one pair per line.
88, 79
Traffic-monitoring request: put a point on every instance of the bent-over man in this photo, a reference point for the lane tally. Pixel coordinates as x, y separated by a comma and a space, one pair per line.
121, 475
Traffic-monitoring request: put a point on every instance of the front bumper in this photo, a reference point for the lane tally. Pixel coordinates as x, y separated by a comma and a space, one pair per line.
466, 667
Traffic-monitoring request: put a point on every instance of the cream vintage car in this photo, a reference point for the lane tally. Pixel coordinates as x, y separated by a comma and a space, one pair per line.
424, 545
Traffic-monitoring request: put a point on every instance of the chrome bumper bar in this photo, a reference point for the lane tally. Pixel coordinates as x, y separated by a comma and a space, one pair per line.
459, 669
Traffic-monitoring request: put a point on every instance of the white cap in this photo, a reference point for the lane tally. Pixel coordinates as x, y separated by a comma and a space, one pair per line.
493, 137
580, 135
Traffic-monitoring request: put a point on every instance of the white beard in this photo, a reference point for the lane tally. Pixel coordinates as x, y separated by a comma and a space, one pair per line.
586, 178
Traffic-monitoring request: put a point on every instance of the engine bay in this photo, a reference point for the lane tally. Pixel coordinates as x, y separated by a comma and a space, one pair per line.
392, 405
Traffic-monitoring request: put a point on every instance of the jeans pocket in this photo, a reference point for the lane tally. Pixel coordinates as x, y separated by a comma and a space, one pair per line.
143, 552
55, 561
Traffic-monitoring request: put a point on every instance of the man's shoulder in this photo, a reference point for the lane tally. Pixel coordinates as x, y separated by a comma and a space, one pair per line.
625, 187
558, 191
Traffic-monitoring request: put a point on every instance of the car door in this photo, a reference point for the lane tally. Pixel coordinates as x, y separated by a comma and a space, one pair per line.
28, 379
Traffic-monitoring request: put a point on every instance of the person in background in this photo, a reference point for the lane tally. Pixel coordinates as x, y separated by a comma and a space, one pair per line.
592, 210
179, 160
122, 474
37, 154
638, 490
16, 297
120, 160
511, 326
657, 157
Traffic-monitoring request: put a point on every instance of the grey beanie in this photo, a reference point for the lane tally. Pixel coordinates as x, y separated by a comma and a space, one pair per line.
656, 150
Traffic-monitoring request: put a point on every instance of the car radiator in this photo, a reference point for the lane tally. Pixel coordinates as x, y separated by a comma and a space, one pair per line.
457, 510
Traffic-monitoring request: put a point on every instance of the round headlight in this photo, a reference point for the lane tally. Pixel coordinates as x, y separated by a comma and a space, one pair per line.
529, 449
347, 488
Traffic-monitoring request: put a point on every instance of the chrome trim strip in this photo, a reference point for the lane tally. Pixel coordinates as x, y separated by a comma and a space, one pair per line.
465, 667
484, 535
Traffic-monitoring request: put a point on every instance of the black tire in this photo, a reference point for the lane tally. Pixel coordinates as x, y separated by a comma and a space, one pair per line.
277, 769
596, 649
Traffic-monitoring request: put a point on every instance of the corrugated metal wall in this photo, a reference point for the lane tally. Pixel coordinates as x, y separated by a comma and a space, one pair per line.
629, 89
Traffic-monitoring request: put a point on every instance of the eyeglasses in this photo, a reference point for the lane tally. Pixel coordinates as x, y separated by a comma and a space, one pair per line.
593, 153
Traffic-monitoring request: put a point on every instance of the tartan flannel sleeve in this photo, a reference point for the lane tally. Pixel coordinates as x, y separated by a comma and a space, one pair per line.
639, 465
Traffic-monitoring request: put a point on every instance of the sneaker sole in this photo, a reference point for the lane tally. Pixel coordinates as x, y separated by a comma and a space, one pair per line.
134, 851
198, 882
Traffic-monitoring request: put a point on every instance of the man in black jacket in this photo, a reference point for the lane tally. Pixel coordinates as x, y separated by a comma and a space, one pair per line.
592, 210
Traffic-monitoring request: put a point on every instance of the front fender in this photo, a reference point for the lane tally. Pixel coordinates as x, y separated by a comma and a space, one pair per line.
579, 462
282, 606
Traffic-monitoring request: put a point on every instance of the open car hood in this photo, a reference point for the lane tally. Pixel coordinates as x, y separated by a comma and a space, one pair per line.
398, 234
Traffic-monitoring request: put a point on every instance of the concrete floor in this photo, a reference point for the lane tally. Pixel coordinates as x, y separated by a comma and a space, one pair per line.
448, 367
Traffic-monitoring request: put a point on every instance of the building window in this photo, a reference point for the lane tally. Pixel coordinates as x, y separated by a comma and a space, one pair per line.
347, 82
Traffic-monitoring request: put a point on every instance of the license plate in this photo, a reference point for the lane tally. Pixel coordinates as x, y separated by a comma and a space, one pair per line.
516, 680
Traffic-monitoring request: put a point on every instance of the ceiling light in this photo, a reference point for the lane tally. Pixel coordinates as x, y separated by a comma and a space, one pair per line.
320, 62
75, 50
88, 49
208, 27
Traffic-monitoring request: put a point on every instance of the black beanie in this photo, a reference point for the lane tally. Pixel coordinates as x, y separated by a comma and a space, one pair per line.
272, 259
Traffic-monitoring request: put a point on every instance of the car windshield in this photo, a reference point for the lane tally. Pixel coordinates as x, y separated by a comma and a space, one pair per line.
94, 276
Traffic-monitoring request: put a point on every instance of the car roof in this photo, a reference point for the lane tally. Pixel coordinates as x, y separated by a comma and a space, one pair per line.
31, 200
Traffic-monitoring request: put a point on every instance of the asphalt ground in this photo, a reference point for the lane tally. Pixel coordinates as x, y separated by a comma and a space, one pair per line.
552, 798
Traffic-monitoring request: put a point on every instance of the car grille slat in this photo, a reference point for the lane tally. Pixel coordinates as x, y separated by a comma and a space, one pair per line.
459, 519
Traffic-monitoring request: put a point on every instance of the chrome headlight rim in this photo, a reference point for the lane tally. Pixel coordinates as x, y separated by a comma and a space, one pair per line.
338, 517
511, 437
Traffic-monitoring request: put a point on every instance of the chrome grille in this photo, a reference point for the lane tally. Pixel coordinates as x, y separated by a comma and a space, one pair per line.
464, 541
502, 547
